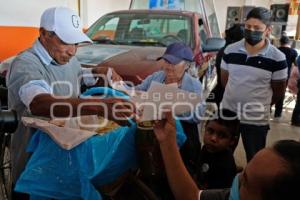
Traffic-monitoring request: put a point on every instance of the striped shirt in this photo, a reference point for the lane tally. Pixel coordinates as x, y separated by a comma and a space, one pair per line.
248, 91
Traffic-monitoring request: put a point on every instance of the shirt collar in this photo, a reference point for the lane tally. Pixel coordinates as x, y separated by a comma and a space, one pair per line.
262, 52
43, 54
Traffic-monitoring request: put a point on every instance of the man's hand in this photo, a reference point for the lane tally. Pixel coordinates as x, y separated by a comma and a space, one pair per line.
118, 110
165, 130
278, 88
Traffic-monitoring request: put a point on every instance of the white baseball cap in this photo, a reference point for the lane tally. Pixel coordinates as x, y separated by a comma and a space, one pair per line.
65, 23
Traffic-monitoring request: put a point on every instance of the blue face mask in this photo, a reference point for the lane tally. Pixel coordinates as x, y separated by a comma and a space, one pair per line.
235, 189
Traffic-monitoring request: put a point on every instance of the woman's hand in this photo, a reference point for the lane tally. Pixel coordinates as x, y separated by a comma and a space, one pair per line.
115, 76
102, 71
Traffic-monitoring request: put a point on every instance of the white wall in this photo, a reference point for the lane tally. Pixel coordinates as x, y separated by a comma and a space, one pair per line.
221, 10
27, 12
221, 7
93, 9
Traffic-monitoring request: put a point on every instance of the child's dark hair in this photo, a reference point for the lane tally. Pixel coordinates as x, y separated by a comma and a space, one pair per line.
261, 13
229, 119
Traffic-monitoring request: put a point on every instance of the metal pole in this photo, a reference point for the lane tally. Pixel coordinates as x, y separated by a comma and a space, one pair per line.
79, 8
298, 29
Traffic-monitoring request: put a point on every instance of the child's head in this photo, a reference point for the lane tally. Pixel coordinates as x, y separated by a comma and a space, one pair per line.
222, 131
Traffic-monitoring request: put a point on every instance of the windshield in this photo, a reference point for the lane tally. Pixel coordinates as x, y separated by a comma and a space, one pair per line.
142, 29
205, 8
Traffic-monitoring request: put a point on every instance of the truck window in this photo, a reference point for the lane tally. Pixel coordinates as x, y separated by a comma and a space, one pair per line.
158, 27
105, 29
143, 29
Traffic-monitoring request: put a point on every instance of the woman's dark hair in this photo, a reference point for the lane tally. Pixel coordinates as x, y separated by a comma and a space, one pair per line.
261, 13
286, 185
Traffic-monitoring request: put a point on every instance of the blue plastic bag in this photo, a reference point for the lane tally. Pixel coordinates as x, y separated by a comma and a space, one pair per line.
53, 172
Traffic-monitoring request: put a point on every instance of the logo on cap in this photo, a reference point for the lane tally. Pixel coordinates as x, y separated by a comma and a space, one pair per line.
75, 21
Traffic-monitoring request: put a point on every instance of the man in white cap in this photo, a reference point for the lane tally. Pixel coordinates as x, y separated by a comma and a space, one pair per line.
48, 74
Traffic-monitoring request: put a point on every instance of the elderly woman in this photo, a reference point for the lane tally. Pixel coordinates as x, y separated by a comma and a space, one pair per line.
175, 63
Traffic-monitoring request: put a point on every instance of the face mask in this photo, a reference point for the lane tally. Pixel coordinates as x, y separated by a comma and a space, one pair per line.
253, 37
235, 189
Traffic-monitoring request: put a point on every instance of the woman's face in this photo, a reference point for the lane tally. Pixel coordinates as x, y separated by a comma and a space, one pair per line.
173, 70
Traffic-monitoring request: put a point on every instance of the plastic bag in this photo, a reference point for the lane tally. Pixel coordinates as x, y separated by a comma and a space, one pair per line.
53, 172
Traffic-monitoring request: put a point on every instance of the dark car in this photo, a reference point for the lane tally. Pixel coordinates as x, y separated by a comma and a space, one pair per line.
130, 41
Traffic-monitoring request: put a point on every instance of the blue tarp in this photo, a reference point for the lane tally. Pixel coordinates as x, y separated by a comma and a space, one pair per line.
53, 172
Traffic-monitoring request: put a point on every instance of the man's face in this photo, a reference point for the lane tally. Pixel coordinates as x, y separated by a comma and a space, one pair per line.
260, 172
57, 49
254, 24
217, 137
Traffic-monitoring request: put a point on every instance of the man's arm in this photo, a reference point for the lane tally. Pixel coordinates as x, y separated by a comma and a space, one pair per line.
278, 88
279, 77
295, 55
181, 183
224, 77
42, 105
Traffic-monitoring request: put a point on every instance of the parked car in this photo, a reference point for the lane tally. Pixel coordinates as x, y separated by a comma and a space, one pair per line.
130, 41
